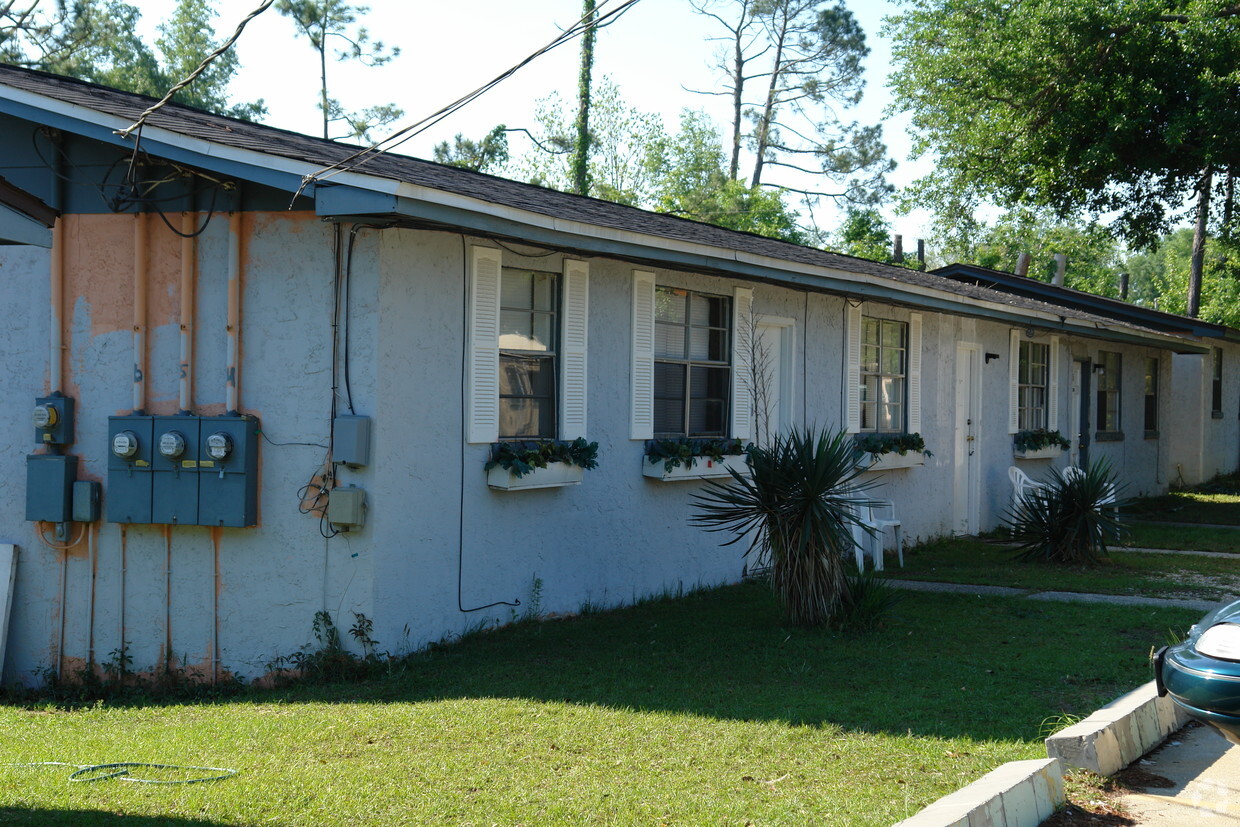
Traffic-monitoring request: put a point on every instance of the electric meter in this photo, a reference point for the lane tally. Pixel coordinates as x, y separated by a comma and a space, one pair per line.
45, 417
219, 446
172, 444
125, 444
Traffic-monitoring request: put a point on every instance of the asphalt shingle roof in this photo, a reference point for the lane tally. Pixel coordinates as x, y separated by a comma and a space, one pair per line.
271, 141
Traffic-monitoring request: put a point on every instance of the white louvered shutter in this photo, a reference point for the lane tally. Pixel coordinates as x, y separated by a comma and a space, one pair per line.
641, 415
1052, 386
1014, 382
573, 351
743, 331
914, 373
852, 368
483, 381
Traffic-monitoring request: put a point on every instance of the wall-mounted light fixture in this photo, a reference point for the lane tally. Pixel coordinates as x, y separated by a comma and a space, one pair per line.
990, 356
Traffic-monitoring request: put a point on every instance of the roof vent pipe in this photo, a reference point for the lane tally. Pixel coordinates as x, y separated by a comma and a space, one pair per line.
921, 252
1061, 266
897, 253
1022, 264
1123, 286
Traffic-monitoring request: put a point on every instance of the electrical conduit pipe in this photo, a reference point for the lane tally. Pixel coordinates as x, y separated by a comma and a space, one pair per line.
189, 267
141, 260
234, 312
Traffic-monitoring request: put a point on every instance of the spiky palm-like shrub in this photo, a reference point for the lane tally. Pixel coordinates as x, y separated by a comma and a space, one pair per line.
1071, 518
796, 507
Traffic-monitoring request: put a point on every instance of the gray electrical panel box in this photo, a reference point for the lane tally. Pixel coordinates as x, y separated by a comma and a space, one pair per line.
130, 448
53, 420
228, 471
346, 508
174, 464
351, 440
85, 501
49, 487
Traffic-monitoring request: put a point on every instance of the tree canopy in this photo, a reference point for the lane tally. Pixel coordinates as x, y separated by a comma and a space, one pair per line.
1090, 106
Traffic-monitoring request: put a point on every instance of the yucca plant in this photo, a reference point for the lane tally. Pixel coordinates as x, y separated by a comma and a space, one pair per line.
796, 507
1071, 518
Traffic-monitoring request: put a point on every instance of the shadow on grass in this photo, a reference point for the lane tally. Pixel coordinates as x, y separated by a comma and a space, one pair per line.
96, 818
943, 665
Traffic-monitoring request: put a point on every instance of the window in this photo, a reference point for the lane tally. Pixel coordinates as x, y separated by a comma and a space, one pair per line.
692, 363
1032, 374
1216, 385
1151, 396
527, 354
1108, 392
884, 361
526, 350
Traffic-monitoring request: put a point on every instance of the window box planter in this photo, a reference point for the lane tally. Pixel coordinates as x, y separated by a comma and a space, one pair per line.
703, 468
1049, 452
555, 475
892, 460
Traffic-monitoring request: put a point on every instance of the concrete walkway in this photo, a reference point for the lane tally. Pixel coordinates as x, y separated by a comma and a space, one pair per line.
1062, 597
1203, 773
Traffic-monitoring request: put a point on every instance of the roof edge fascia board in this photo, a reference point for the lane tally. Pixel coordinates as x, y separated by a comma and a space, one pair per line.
634, 247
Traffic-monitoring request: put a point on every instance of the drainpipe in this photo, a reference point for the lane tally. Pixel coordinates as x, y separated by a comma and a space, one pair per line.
1061, 267
141, 257
234, 310
189, 265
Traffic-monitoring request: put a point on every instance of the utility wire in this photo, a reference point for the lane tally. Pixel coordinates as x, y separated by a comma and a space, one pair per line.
124, 133
597, 20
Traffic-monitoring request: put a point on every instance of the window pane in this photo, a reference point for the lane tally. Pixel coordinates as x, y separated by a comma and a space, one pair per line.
892, 390
891, 418
669, 305
527, 418
869, 331
893, 334
515, 288
869, 359
544, 291
893, 361
699, 343
515, 331
706, 418
669, 341
520, 376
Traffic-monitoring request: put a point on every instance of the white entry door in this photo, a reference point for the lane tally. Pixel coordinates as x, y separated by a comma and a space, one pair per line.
966, 488
773, 373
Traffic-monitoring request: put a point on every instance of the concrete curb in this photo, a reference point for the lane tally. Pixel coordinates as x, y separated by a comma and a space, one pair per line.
1119, 733
1017, 794
1026, 793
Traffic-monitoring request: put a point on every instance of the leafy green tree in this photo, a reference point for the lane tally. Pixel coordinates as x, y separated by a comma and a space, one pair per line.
865, 234
1094, 257
485, 155
1089, 106
788, 66
96, 40
1160, 277
318, 20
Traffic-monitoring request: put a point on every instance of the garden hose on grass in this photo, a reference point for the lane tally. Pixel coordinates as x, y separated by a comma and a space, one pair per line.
85, 773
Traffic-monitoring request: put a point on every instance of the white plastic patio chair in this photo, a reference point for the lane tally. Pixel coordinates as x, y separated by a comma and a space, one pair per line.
867, 539
1022, 487
883, 517
1108, 499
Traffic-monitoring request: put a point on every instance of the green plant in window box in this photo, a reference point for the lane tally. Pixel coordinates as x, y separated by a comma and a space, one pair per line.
687, 450
1039, 438
892, 443
521, 458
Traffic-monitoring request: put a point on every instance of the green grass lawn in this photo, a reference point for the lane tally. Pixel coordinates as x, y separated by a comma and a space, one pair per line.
702, 710
1196, 538
1220, 505
1131, 573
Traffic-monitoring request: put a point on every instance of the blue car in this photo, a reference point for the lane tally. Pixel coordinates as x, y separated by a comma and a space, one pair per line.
1202, 672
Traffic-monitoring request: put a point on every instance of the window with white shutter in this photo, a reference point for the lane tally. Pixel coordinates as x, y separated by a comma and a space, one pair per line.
882, 374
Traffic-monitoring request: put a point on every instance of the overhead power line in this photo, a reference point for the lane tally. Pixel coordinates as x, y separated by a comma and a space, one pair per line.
125, 133
597, 20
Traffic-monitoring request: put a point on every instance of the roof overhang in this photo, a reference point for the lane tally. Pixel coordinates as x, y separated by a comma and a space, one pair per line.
372, 198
